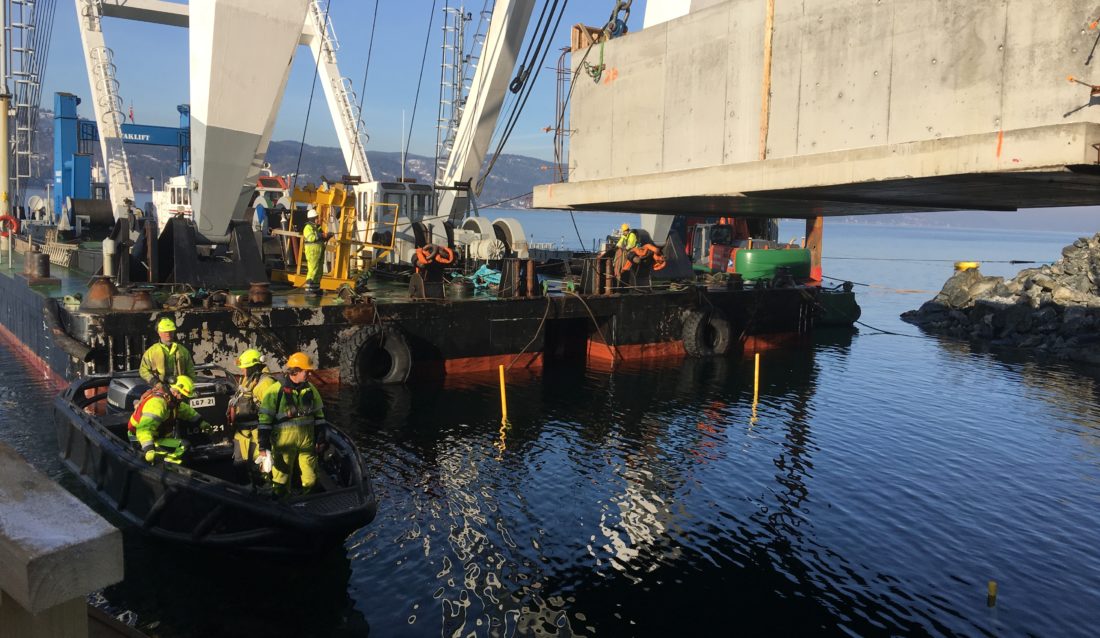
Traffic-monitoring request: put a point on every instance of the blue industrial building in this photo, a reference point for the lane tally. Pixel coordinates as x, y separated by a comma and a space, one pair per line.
72, 148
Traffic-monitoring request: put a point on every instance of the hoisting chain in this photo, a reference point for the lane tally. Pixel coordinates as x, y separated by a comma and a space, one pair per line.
594, 71
615, 27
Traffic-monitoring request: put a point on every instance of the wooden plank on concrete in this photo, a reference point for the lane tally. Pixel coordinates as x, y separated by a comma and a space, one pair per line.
53, 548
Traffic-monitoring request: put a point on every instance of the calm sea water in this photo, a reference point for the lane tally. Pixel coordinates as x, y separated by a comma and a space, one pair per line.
877, 488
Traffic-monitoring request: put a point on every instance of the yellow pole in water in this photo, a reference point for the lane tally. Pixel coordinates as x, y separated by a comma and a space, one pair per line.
991, 598
503, 398
756, 382
755, 389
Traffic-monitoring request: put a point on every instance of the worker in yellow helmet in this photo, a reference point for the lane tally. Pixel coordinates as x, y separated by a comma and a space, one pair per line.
159, 412
314, 237
166, 359
244, 406
628, 239
292, 421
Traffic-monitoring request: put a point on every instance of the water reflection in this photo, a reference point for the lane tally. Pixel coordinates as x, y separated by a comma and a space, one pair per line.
882, 484
605, 480
1070, 389
182, 591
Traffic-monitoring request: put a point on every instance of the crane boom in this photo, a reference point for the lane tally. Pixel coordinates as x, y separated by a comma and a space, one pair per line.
487, 93
106, 102
241, 52
346, 117
232, 119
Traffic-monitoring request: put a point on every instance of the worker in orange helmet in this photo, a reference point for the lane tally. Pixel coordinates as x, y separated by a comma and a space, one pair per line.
292, 422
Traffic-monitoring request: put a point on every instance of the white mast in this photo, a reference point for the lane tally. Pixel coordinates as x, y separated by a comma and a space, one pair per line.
108, 107
490, 86
241, 52
5, 102
339, 95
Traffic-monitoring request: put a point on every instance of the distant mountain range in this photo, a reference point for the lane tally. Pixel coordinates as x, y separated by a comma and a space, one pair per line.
513, 176
511, 179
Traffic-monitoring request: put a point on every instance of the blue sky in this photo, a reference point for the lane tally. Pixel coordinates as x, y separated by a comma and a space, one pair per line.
152, 71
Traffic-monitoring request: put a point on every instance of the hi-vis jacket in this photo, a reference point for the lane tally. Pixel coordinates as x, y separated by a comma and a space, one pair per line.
287, 405
246, 403
155, 409
312, 233
167, 361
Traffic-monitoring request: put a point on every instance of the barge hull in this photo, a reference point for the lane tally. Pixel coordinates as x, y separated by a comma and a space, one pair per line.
436, 338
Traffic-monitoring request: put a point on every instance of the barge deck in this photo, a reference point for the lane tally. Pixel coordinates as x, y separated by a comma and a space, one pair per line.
386, 336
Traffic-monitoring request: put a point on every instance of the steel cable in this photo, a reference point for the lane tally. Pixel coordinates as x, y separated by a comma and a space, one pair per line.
513, 117
370, 49
309, 107
420, 80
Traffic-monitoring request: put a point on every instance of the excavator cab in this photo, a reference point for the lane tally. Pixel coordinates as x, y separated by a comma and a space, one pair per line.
711, 246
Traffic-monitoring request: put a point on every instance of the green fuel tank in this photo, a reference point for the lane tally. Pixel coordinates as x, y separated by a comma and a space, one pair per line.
757, 263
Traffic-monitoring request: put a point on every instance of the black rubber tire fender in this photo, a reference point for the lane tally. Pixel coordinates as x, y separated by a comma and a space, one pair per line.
375, 356
706, 334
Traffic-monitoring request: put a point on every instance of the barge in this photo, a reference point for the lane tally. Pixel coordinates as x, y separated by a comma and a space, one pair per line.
387, 336
195, 258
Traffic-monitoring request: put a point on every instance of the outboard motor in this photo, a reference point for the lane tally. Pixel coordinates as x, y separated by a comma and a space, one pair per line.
124, 392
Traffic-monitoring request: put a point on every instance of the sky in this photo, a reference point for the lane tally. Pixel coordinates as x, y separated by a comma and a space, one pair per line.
152, 65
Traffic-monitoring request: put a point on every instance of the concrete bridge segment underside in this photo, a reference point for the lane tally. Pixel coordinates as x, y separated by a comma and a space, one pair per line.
874, 106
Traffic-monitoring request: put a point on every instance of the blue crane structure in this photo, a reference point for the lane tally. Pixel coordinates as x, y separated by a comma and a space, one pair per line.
72, 147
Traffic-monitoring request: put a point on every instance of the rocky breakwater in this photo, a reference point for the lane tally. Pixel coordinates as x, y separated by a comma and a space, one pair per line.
1054, 309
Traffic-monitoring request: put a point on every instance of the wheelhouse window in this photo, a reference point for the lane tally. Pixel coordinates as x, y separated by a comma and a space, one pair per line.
399, 199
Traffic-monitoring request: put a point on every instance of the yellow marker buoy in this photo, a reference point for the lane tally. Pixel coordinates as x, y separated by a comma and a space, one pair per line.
755, 389
991, 598
503, 398
756, 382
967, 265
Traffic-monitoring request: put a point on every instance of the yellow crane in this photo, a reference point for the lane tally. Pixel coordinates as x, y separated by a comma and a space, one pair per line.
336, 202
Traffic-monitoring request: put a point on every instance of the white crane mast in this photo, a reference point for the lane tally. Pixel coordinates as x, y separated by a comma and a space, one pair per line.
241, 52
232, 120
483, 105
346, 116
106, 102
240, 55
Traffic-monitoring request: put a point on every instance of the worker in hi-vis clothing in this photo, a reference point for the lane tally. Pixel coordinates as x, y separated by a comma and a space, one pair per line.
314, 238
244, 406
292, 421
167, 359
627, 238
160, 412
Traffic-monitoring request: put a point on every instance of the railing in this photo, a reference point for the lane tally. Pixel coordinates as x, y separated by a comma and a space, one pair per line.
351, 116
459, 65
106, 91
451, 94
329, 44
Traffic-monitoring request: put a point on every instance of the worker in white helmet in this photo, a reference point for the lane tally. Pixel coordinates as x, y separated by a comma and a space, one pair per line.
314, 237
